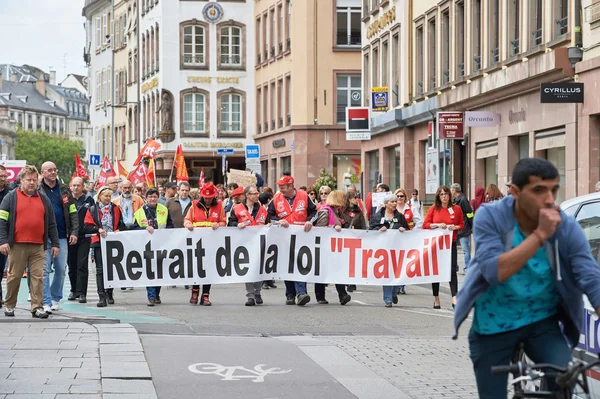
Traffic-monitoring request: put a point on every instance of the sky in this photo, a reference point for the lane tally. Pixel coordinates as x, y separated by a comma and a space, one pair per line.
48, 34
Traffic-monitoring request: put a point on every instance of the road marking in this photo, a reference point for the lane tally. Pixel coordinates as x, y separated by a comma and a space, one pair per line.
361, 302
258, 374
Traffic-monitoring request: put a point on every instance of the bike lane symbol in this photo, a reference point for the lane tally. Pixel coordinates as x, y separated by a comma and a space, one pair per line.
232, 373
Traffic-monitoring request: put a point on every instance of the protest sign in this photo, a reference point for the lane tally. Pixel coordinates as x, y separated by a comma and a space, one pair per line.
257, 253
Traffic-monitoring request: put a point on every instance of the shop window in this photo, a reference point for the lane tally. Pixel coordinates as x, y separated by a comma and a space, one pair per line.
373, 165
286, 164
491, 171
349, 94
346, 169
523, 147
393, 154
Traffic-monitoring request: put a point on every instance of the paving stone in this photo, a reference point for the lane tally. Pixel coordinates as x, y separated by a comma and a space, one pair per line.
31, 396
119, 338
107, 348
129, 396
25, 373
110, 385
45, 345
125, 357
88, 375
51, 388
95, 387
79, 396
125, 370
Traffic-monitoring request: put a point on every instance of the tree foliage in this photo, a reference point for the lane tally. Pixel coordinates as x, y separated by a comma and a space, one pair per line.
39, 147
325, 179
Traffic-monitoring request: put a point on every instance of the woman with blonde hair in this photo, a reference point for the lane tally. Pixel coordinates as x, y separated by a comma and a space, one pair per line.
413, 217
331, 215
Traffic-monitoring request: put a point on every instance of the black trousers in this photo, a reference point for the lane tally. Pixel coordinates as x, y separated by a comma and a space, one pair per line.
435, 287
100, 272
78, 266
320, 290
205, 288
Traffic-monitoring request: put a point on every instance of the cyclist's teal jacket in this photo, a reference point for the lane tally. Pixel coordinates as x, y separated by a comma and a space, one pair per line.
574, 269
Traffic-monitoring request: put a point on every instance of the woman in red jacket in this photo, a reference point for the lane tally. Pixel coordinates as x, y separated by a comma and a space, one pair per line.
444, 215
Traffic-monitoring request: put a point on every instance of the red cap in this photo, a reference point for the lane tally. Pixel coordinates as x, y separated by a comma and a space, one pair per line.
285, 180
238, 191
208, 191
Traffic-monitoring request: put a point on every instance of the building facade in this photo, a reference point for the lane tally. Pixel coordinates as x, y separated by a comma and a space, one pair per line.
480, 55
133, 142
196, 82
98, 56
74, 81
308, 71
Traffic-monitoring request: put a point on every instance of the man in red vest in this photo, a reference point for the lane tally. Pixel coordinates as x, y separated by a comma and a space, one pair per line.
291, 206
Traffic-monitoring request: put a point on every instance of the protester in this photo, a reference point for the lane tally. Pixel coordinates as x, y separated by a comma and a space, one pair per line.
128, 203
493, 193
464, 235
416, 203
91, 189
236, 197
291, 206
265, 199
371, 210
354, 218
67, 224
150, 217
207, 211
194, 193
103, 217
331, 215
113, 183
250, 213
4, 189
141, 188
444, 215
170, 192
180, 204
388, 218
413, 218
78, 254
221, 193
479, 199
324, 192
27, 230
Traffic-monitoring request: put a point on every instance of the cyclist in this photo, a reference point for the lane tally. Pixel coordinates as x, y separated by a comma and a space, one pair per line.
531, 266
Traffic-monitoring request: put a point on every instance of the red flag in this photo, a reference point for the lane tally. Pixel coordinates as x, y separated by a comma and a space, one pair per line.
182, 173
122, 170
150, 174
138, 175
81, 172
201, 180
148, 151
106, 172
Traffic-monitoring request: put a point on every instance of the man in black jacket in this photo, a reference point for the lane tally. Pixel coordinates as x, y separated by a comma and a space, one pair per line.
464, 236
4, 189
67, 224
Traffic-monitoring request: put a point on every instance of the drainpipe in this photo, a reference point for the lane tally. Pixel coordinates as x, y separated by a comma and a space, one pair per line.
112, 84
410, 53
315, 55
578, 11
136, 73
579, 44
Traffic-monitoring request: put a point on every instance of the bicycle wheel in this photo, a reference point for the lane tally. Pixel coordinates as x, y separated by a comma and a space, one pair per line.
527, 386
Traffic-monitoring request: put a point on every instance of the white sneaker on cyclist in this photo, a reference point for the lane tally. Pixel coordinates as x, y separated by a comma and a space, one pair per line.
55, 306
47, 309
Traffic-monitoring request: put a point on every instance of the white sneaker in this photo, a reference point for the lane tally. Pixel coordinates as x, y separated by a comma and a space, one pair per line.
47, 309
55, 306
29, 298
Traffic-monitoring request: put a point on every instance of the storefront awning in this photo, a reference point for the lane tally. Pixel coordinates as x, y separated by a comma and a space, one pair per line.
546, 140
487, 149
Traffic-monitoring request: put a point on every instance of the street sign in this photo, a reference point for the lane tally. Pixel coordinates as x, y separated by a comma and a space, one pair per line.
252, 151
13, 168
225, 151
358, 136
94, 159
252, 161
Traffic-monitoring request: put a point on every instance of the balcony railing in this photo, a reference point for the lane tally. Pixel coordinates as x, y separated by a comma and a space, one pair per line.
190, 127
280, 47
340, 115
258, 129
348, 40
281, 121
231, 127
537, 37
266, 125
273, 124
477, 63
272, 51
420, 87
495, 55
446, 74
288, 44
562, 26
289, 119
515, 48
258, 58
266, 53
433, 82
189, 59
461, 69
233, 60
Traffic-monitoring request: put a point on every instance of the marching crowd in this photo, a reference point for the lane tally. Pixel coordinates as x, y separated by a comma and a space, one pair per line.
46, 226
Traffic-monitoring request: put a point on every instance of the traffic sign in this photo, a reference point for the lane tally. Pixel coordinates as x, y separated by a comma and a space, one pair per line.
94, 159
252, 151
225, 151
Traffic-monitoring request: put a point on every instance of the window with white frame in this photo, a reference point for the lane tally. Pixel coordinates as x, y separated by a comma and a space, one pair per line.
104, 80
231, 46
99, 40
193, 45
104, 29
108, 84
194, 107
348, 25
349, 94
98, 87
231, 113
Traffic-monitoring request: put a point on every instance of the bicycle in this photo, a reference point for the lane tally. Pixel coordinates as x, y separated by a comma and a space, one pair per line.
566, 378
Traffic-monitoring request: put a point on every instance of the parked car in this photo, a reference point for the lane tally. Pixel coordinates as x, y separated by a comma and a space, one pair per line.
586, 211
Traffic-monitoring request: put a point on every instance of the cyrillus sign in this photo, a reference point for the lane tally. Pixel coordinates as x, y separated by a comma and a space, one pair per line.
561, 93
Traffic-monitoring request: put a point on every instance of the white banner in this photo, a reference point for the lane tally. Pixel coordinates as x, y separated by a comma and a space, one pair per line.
231, 255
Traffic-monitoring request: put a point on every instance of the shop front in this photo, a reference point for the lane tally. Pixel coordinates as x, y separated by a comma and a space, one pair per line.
526, 128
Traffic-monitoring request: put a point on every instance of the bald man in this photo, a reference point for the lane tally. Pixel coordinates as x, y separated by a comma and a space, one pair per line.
113, 183
67, 223
79, 253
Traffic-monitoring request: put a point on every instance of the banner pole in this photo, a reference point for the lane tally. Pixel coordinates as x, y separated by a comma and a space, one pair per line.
172, 167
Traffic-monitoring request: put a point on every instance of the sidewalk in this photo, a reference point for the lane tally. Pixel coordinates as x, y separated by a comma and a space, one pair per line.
62, 357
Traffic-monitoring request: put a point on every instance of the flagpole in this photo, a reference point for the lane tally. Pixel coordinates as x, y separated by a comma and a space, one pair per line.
173, 166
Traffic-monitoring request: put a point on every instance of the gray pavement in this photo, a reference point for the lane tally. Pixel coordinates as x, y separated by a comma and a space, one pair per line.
62, 358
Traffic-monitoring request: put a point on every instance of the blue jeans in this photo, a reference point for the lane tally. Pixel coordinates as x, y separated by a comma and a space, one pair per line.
152, 292
544, 343
54, 291
465, 244
389, 291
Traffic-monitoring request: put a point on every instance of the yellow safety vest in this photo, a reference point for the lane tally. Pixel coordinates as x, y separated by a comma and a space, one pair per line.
161, 216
